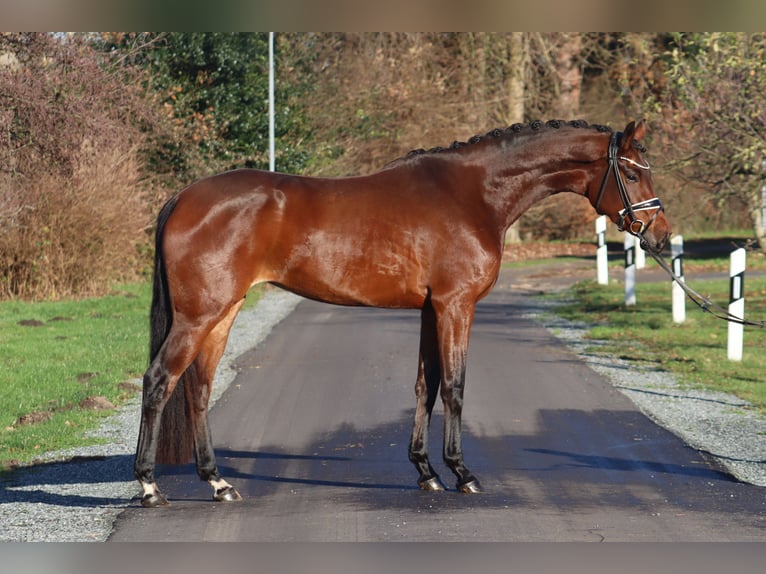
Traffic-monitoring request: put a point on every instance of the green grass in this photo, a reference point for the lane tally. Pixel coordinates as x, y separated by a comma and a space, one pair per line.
756, 261
695, 351
55, 354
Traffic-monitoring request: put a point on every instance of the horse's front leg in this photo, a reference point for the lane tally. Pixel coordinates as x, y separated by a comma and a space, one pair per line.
454, 327
426, 390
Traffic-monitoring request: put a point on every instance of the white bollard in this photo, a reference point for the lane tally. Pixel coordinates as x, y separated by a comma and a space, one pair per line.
640, 255
629, 244
678, 295
736, 303
602, 263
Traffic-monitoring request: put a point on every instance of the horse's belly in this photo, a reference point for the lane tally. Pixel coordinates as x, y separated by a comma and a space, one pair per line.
356, 288
366, 281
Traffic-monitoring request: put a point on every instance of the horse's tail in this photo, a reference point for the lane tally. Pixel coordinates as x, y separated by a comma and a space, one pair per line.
176, 442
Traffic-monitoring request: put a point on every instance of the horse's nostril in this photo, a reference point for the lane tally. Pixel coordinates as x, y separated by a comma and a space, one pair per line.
657, 246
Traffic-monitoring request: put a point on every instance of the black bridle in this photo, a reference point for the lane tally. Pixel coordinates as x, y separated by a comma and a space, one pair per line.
634, 225
637, 227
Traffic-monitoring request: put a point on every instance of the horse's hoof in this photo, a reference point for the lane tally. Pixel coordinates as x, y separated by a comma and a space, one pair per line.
154, 500
470, 487
432, 484
228, 494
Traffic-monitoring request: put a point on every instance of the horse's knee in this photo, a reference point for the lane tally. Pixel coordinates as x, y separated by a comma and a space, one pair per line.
453, 405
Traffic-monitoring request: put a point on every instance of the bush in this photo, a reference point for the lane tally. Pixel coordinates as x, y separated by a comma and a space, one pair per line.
74, 203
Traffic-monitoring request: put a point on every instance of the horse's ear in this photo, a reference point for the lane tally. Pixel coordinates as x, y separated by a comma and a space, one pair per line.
633, 131
640, 132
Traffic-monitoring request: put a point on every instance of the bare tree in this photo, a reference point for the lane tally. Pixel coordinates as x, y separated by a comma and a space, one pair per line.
717, 93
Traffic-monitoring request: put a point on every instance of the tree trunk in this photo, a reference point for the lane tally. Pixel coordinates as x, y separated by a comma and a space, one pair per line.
480, 88
517, 63
567, 64
757, 209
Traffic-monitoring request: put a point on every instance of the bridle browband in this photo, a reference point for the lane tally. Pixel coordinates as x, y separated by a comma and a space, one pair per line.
634, 225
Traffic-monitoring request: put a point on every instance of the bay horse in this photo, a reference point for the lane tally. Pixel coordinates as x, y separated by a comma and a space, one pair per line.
425, 232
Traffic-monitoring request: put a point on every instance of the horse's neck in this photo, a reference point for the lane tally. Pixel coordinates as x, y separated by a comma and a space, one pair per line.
520, 176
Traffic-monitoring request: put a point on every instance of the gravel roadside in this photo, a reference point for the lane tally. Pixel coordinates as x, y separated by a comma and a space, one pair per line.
77, 494
74, 495
722, 426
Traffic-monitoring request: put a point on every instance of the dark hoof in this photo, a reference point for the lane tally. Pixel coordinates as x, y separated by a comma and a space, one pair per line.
432, 484
154, 500
227, 495
470, 487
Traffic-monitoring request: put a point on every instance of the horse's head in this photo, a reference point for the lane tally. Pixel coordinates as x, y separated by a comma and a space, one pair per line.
626, 193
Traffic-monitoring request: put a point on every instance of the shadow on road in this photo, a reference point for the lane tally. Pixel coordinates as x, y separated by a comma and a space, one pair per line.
70, 484
368, 469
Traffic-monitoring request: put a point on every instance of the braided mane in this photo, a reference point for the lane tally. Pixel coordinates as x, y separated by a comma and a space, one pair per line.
536, 125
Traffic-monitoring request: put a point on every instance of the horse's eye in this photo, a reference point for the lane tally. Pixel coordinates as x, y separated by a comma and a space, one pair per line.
631, 177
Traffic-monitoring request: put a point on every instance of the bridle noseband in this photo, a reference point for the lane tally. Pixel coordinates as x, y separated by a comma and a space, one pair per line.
635, 226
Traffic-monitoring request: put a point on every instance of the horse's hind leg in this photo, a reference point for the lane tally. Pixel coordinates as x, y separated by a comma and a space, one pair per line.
160, 381
199, 396
426, 391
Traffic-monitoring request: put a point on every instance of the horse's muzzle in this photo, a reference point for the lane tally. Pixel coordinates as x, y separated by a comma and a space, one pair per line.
654, 242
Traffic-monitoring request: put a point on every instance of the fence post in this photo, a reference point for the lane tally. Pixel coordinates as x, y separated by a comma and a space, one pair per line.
602, 263
629, 243
640, 254
736, 303
678, 296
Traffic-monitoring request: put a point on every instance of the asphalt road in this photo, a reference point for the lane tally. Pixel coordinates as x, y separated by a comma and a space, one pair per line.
314, 430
